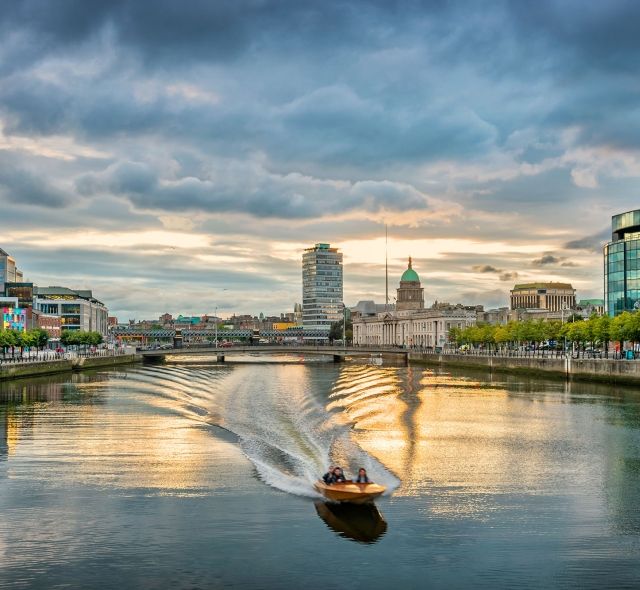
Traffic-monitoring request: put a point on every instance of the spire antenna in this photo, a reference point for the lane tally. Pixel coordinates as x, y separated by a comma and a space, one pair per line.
386, 268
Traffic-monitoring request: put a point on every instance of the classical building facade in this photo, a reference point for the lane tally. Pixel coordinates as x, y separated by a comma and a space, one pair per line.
409, 324
322, 281
622, 264
550, 296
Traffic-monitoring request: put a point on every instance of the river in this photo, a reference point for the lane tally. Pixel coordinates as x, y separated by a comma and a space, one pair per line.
201, 476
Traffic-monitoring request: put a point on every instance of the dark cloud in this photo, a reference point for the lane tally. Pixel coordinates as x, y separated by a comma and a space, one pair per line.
483, 268
249, 189
28, 187
546, 259
503, 275
592, 243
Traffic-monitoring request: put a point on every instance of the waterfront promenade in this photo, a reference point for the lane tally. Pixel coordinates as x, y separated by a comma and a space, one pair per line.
576, 366
49, 364
615, 369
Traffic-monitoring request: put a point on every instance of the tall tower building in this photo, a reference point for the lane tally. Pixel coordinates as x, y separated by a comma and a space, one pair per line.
321, 287
622, 264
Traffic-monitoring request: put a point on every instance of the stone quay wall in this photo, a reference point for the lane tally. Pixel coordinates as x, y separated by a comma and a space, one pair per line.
36, 368
606, 370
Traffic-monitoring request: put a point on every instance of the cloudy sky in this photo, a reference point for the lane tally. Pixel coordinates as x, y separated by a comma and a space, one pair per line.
178, 156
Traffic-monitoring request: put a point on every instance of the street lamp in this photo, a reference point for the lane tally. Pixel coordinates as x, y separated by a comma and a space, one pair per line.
344, 326
215, 321
564, 346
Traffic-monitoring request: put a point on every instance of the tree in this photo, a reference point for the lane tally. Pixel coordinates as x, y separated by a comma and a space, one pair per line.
7, 340
335, 332
69, 337
602, 331
40, 338
501, 335
455, 335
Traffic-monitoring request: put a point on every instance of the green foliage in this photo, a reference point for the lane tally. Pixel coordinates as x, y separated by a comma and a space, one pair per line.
335, 332
80, 338
595, 330
8, 338
36, 338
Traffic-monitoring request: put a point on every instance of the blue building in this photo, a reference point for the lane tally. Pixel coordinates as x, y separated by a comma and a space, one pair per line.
622, 264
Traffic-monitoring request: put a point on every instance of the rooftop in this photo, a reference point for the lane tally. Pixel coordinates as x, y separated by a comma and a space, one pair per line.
56, 291
550, 285
410, 275
583, 302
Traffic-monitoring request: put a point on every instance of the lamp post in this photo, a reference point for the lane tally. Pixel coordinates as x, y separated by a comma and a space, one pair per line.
215, 318
564, 346
344, 326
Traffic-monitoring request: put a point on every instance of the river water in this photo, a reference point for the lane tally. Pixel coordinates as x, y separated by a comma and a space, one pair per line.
201, 476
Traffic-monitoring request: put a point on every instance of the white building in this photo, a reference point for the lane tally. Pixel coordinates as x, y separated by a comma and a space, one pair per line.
77, 308
321, 288
410, 324
8, 271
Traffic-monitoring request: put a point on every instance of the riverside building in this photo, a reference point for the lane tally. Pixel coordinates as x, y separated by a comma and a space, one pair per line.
322, 283
9, 273
78, 308
550, 296
622, 264
409, 324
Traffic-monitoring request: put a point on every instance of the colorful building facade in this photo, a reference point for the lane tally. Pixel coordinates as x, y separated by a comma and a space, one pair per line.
14, 318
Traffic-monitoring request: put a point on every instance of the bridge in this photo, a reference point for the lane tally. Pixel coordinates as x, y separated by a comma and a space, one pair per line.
339, 353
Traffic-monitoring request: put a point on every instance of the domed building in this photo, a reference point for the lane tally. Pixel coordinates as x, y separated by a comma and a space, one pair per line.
410, 293
408, 323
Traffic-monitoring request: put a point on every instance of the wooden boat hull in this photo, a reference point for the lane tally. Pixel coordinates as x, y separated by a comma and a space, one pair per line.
356, 493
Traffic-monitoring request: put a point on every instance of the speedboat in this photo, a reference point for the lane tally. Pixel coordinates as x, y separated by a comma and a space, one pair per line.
349, 491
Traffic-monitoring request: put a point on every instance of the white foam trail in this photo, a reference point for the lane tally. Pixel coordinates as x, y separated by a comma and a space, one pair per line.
288, 434
291, 421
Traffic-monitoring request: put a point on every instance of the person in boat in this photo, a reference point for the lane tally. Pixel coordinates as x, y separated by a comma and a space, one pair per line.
326, 478
338, 476
362, 476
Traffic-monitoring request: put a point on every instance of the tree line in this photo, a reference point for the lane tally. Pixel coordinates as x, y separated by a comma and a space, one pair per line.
36, 338
595, 331
80, 338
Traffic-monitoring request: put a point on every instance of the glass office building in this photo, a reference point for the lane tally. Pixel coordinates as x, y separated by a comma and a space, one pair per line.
321, 287
622, 264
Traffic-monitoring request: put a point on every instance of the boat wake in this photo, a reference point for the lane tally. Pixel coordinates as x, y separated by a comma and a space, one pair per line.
286, 431
279, 414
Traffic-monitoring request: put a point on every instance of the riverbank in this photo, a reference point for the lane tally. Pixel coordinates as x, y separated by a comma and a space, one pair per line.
603, 370
51, 367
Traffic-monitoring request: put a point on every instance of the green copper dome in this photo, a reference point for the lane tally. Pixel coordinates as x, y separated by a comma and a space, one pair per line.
410, 275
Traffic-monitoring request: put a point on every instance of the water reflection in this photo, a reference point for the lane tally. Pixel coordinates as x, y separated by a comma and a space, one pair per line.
499, 474
362, 523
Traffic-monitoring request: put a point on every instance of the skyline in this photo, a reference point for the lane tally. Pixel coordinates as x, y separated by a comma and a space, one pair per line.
184, 163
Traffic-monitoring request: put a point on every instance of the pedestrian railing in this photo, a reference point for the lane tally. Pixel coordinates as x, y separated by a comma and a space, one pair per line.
49, 355
536, 354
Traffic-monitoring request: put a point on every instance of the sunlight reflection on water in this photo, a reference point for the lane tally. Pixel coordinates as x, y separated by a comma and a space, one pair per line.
164, 469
